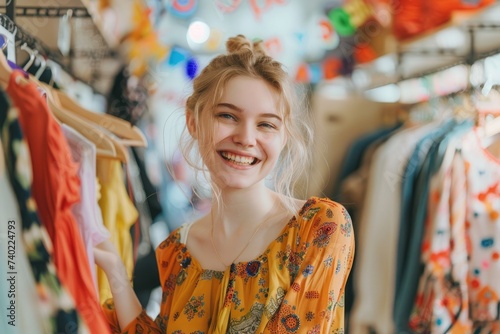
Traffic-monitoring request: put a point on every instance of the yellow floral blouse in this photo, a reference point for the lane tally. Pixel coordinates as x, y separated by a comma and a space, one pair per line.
295, 286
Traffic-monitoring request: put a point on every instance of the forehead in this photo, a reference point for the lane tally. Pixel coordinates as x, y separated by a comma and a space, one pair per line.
251, 94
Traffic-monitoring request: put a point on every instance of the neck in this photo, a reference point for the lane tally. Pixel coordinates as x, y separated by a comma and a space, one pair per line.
243, 209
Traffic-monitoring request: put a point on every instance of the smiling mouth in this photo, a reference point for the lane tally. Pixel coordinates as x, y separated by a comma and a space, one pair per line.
238, 159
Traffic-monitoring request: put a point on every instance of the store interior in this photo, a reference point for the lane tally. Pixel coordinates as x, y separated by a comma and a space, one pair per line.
392, 87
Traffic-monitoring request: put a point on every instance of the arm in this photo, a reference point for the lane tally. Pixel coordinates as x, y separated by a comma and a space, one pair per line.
126, 303
315, 300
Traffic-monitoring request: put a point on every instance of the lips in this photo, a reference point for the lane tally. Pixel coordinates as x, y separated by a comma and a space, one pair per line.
239, 159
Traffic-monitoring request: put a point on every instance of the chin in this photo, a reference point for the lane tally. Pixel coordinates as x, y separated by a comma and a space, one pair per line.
239, 184
235, 185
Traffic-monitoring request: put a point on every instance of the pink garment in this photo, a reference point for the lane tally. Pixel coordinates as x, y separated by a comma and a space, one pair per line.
87, 212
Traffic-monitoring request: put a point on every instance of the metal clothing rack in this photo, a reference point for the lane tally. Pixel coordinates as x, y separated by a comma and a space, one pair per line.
11, 10
461, 59
8, 16
22, 36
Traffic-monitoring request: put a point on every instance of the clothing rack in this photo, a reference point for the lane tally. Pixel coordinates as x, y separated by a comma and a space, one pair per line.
462, 59
32, 11
11, 10
21, 37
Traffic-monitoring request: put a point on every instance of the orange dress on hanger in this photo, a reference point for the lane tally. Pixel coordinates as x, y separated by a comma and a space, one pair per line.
55, 189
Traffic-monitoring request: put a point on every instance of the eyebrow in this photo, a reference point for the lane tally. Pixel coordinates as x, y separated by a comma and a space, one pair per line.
233, 107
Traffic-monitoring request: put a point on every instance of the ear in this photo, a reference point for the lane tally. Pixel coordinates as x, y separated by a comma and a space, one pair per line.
191, 124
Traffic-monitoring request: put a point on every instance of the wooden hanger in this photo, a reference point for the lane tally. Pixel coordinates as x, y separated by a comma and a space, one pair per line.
120, 149
104, 146
129, 134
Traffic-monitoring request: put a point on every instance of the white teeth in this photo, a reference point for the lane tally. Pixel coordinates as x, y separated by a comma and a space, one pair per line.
237, 158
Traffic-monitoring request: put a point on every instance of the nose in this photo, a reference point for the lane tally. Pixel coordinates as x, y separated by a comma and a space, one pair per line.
245, 135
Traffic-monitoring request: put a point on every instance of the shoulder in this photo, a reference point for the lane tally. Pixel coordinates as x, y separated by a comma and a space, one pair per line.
322, 220
172, 240
323, 208
170, 256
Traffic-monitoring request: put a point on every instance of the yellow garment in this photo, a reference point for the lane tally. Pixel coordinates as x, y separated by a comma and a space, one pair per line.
118, 215
295, 286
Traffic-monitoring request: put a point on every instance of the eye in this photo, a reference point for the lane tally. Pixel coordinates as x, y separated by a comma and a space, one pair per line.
226, 116
268, 125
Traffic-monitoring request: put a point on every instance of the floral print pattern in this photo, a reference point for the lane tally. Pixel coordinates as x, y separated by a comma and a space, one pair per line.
459, 290
295, 286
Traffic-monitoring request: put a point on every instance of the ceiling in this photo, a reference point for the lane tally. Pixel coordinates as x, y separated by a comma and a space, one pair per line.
93, 62
91, 59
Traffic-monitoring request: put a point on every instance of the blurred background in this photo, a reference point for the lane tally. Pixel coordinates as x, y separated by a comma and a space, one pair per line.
369, 70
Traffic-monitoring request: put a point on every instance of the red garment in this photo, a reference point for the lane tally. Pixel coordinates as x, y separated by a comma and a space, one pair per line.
413, 17
56, 187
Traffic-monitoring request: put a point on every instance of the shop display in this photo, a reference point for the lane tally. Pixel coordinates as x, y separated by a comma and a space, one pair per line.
405, 95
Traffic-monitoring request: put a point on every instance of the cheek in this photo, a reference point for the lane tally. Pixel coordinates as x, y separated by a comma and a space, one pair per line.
275, 145
221, 131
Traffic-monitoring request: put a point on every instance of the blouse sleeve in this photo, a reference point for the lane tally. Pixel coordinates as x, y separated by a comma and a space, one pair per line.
315, 301
143, 323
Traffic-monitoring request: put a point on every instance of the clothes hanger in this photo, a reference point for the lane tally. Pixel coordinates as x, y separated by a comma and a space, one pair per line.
43, 66
128, 134
120, 151
31, 53
110, 147
105, 146
5, 70
489, 131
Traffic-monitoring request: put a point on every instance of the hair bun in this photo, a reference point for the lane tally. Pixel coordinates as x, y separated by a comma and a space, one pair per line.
258, 47
238, 43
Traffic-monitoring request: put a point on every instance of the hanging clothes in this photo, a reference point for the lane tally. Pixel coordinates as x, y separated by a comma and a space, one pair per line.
87, 212
354, 156
441, 303
351, 187
56, 187
462, 251
119, 214
147, 204
414, 191
12, 245
412, 228
374, 275
52, 297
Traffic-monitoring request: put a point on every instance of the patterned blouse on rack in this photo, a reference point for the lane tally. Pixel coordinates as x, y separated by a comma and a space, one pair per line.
53, 300
295, 286
459, 292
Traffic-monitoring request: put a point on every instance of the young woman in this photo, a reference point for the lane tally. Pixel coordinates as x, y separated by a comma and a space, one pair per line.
260, 261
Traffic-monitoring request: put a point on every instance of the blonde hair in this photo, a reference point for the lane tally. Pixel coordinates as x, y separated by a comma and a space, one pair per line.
246, 58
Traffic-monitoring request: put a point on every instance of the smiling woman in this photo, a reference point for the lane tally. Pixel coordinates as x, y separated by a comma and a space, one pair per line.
261, 261
248, 135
